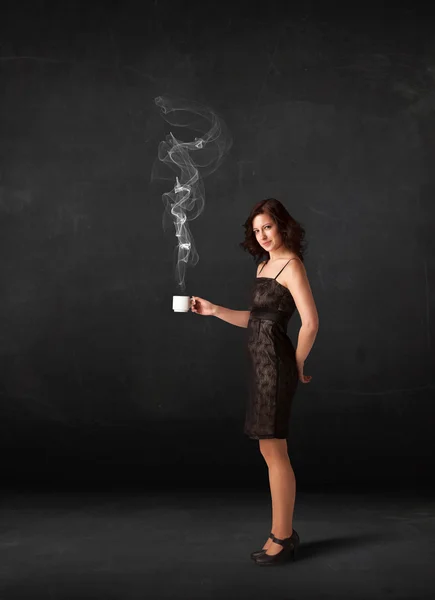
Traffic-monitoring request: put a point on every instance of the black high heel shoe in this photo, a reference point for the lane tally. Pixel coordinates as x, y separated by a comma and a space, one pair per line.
290, 545
258, 552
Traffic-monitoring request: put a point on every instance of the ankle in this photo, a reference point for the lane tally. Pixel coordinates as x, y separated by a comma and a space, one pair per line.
283, 533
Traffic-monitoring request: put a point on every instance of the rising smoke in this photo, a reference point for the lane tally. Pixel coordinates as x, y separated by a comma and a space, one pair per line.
192, 161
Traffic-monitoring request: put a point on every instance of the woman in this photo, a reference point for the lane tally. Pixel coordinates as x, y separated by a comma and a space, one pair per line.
277, 367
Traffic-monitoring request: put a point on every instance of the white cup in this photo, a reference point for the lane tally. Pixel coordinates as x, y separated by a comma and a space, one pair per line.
180, 303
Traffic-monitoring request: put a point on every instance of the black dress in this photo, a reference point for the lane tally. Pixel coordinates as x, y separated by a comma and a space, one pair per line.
274, 376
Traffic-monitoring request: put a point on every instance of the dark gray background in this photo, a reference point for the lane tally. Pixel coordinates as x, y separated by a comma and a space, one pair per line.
332, 111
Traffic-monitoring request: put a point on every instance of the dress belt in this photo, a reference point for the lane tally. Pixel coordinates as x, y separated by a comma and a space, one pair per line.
273, 315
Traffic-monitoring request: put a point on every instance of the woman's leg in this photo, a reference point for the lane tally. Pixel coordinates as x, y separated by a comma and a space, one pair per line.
282, 489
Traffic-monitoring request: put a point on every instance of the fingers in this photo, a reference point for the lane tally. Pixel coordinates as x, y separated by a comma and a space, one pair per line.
305, 378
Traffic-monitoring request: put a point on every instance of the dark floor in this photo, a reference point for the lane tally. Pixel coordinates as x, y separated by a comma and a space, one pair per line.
197, 545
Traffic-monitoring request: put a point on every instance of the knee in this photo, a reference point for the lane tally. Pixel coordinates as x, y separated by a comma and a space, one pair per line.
273, 449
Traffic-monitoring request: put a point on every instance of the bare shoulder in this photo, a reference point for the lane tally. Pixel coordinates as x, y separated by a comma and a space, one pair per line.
294, 272
296, 265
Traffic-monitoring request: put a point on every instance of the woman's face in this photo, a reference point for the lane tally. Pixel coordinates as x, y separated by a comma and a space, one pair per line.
266, 232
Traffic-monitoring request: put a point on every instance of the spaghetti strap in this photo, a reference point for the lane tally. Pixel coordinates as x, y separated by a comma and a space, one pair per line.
285, 266
265, 263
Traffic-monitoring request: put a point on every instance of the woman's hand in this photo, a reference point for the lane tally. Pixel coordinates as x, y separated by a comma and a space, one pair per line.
202, 307
302, 377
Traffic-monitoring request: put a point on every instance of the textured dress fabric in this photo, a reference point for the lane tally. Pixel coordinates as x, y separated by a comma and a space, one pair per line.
274, 376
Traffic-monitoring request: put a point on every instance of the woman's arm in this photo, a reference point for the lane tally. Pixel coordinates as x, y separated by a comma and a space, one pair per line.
239, 318
306, 337
297, 282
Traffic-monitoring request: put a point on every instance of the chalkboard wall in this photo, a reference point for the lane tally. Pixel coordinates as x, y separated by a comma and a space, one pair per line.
330, 111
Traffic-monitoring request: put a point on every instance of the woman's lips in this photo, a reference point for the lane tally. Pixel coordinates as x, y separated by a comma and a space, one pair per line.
266, 243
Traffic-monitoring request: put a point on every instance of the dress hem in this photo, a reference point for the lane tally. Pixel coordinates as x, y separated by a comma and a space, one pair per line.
266, 437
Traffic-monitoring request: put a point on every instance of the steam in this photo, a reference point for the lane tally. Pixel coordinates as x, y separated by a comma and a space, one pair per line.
195, 160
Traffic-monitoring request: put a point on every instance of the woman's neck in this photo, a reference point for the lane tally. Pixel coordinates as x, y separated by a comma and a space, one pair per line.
274, 257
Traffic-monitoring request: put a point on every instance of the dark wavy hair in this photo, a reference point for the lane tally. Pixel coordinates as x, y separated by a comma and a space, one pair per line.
292, 232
